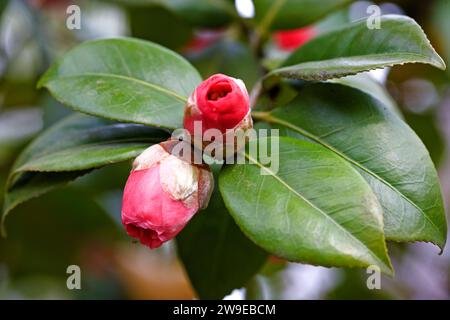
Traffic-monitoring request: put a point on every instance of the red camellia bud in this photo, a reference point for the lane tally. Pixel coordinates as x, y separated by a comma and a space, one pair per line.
162, 194
289, 40
219, 102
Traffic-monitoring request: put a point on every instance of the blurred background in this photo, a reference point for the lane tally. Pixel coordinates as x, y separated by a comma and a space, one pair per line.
80, 224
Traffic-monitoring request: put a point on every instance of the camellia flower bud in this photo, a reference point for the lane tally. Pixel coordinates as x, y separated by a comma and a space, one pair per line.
220, 102
162, 194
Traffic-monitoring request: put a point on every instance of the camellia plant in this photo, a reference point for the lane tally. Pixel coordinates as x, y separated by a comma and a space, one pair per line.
351, 174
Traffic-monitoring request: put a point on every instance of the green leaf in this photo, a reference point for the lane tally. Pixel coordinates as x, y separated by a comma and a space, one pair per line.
388, 154
86, 156
355, 48
124, 79
291, 14
72, 148
88, 143
365, 83
316, 208
217, 256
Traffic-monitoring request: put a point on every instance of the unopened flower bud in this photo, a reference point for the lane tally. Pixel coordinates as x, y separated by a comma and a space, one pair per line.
162, 194
222, 103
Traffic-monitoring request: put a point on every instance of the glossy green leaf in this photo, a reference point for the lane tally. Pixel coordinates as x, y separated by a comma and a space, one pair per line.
356, 48
291, 14
85, 156
365, 83
388, 154
89, 143
315, 208
124, 79
216, 255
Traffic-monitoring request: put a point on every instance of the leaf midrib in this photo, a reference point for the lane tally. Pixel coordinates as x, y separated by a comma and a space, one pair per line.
118, 76
271, 118
286, 185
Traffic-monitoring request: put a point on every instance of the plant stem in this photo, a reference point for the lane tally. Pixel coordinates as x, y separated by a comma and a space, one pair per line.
261, 115
263, 27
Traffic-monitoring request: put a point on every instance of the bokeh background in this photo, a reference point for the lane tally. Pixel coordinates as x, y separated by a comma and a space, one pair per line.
80, 224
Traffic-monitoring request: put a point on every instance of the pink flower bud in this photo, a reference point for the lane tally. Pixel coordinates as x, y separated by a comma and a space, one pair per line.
219, 102
162, 194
